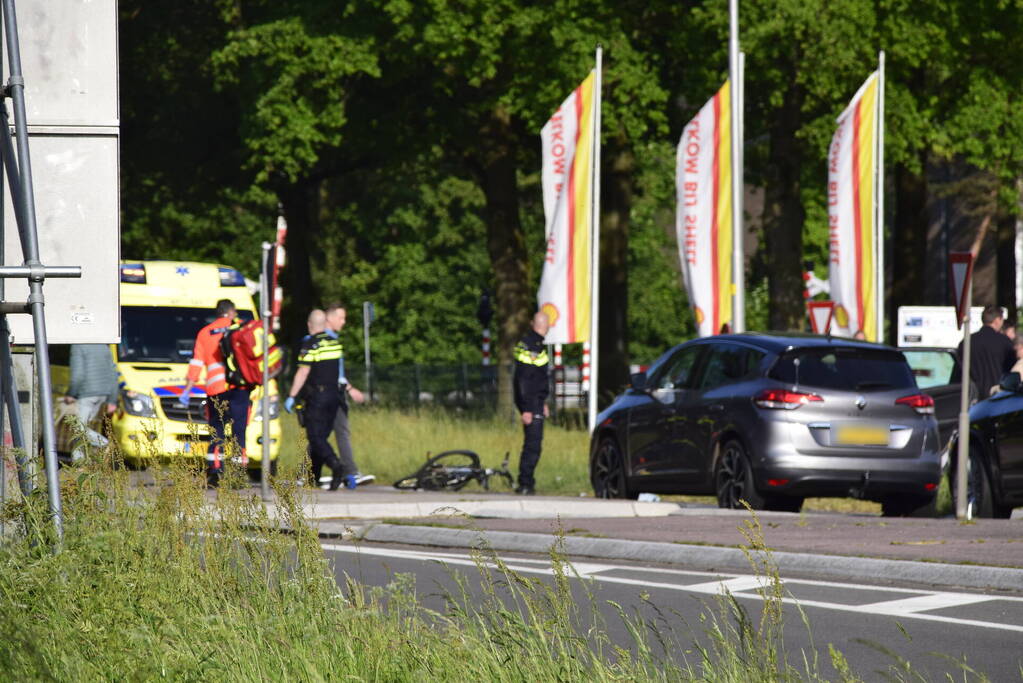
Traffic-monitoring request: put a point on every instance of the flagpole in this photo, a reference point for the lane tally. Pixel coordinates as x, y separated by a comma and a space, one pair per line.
595, 246
879, 204
738, 261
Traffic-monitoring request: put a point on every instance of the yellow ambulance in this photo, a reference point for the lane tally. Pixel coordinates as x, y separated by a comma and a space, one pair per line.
164, 304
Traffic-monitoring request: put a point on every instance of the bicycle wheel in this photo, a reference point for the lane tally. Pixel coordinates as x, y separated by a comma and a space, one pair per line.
447, 470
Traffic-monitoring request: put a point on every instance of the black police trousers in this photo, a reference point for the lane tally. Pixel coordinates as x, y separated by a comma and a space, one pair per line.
532, 441
321, 407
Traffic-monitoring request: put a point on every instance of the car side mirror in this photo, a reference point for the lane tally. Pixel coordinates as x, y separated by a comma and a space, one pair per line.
638, 381
1010, 382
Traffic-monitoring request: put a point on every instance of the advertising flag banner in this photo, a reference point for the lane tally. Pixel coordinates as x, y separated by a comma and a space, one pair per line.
852, 229
703, 219
567, 176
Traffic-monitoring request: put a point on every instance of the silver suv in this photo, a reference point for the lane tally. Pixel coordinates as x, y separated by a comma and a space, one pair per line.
771, 419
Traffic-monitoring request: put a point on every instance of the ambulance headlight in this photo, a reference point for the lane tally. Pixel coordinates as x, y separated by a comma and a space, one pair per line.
140, 405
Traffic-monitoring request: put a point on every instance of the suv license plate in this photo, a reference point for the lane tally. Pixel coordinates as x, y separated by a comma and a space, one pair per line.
861, 435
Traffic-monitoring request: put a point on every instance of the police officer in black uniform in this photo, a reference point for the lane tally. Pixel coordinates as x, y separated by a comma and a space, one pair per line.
531, 390
319, 360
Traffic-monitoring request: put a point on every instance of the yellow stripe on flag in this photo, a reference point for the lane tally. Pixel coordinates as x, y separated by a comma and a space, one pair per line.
723, 224
865, 153
581, 200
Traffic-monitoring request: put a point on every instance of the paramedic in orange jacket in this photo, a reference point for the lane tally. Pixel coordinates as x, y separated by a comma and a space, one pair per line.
226, 404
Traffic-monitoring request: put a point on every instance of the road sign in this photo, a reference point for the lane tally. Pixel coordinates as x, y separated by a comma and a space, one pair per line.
821, 313
960, 266
69, 62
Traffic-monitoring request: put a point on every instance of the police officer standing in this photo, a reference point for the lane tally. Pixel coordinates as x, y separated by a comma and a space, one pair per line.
319, 360
531, 390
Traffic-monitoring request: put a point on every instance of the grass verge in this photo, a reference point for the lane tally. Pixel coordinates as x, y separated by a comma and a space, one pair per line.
169, 582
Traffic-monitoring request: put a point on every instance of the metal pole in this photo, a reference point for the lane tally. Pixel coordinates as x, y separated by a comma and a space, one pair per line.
264, 404
30, 245
738, 259
5, 362
365, 344
962, 511
879, 205
10, 398
595, 254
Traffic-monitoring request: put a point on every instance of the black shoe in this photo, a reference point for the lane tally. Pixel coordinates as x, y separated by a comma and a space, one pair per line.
336, 482
213, 478
525, 491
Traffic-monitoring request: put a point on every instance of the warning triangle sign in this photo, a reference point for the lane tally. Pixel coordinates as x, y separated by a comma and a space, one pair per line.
820, 316
960, 265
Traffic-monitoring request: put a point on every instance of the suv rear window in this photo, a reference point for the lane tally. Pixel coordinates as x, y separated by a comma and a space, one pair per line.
844, 368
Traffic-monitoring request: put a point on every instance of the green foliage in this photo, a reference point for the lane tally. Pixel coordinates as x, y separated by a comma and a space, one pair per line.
377, 111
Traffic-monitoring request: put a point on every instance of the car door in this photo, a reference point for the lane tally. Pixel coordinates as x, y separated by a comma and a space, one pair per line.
720, 397
652, 423
937, 374
1009, 444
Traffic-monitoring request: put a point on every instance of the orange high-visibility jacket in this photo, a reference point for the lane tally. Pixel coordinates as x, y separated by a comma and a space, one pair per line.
206, 354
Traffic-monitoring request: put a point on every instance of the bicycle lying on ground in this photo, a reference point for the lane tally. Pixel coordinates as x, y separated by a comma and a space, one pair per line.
453, 470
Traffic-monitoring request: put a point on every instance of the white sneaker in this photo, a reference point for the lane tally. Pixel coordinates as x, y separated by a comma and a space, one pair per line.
361, 479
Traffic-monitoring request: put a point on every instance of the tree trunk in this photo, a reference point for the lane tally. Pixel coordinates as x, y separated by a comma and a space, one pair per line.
909, 243
613, 367
784, 217
299, 202
505, 244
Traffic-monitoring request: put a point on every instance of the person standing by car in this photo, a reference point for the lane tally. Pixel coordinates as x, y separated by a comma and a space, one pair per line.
991, 353
531, 390
316, 378
226, 404
94, 386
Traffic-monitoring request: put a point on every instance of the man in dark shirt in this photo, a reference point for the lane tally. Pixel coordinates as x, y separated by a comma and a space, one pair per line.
991, 352
319, 361
531, 390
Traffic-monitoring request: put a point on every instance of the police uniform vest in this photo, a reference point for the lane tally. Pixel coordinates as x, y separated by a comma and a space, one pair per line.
322, 353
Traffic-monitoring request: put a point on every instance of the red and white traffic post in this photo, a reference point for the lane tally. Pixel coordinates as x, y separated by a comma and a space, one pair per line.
960, 265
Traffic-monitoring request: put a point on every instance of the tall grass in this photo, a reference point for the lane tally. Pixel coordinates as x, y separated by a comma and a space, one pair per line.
167, 582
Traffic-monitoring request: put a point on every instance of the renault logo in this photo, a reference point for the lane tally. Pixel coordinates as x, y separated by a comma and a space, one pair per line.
861, 402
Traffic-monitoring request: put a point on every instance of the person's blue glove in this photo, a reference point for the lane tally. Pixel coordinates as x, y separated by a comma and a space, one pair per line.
183, 398
289, 404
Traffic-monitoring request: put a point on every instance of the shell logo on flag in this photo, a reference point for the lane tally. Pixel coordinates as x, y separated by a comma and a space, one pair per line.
568, 142
841, 316
552, 313
703, 219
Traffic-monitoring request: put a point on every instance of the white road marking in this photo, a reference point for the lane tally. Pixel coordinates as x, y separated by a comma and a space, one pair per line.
923, 603
914, 606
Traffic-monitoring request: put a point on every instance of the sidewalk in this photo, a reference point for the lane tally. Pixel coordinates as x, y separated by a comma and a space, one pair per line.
979, 554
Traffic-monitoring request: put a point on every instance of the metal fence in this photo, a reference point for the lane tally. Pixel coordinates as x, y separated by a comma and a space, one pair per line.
466, 386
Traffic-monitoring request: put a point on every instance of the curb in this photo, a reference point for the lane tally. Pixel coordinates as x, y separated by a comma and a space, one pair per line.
707, 558
508, 509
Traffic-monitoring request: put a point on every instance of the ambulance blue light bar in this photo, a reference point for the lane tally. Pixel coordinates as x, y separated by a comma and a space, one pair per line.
229, 277
134, 273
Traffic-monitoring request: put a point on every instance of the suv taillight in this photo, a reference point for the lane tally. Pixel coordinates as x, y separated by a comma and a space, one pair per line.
782, 399
921, 403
